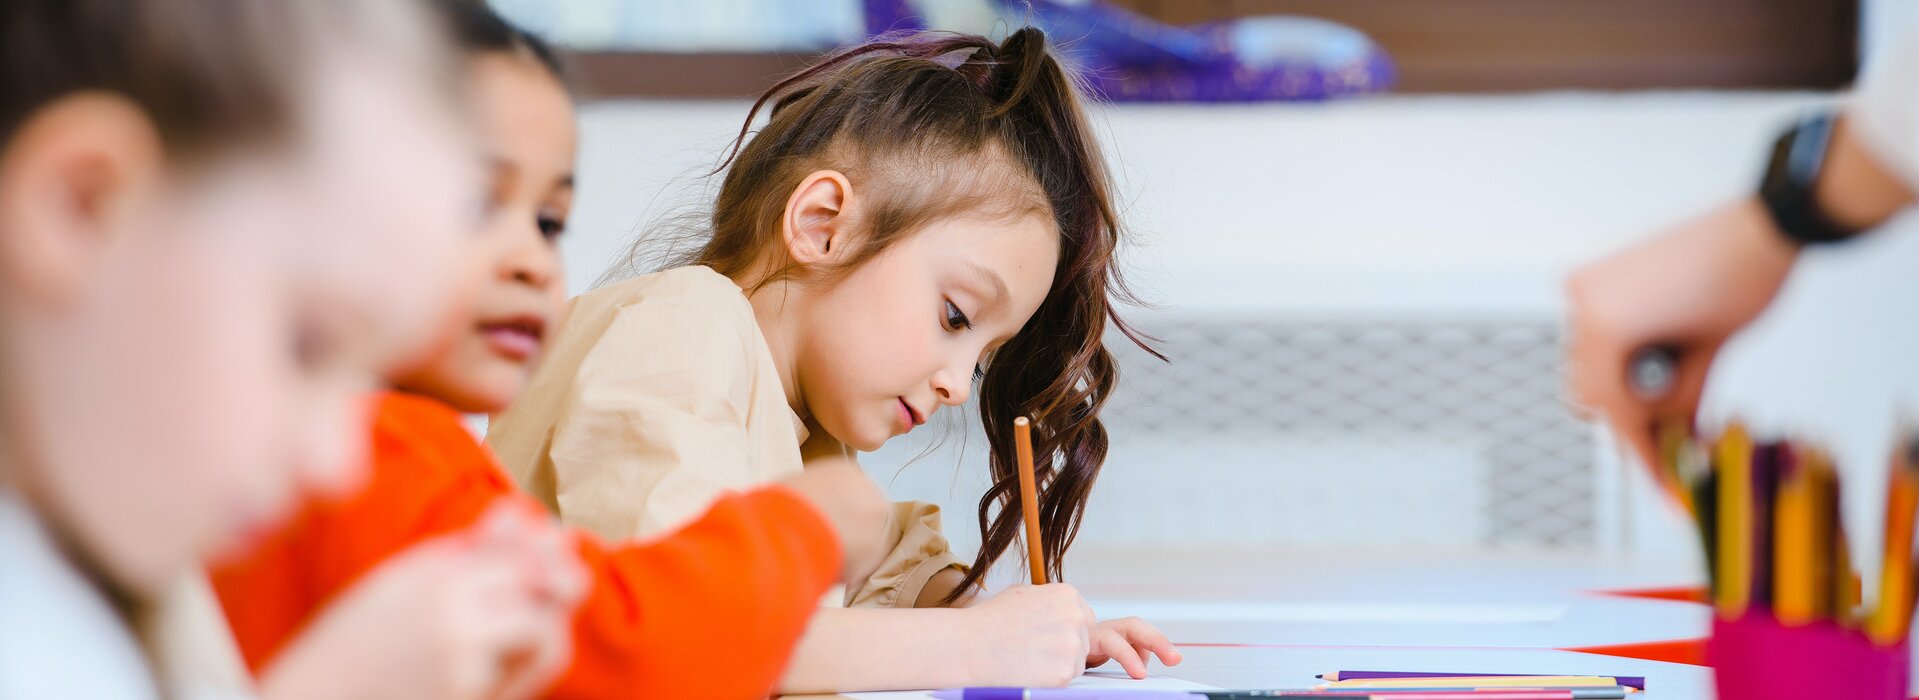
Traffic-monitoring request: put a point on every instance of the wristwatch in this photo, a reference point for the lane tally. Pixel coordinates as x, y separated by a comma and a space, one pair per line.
1797, 159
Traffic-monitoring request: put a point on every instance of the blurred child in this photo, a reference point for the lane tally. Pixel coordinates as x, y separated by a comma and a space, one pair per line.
915, 217
218, 221
712, 610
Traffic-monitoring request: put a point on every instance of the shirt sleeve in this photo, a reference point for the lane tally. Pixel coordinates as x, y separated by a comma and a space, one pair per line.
712, 610
428, 477
651, 426
919, 551
1885, 107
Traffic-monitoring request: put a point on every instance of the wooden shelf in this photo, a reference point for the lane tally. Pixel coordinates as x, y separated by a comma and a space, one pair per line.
1441, 46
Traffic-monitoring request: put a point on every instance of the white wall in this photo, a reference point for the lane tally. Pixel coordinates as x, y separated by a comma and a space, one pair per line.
1397, 205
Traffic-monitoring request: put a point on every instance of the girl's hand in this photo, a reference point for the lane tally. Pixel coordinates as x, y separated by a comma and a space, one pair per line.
1128, 640
1036, 636
480, 614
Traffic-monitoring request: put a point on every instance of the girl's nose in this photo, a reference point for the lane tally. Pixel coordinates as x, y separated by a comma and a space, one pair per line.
533, 261
950, 392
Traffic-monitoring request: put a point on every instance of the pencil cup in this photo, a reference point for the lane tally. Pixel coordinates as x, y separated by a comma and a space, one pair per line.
1754, 657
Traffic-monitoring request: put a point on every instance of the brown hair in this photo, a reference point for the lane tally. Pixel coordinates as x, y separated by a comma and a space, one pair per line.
477, 28
933, 125
207, 72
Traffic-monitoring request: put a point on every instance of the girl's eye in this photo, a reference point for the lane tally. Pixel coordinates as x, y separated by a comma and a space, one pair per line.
551, 227
955, 319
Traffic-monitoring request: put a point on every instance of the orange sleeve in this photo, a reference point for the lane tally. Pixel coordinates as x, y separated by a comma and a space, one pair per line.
428, 476
713, 609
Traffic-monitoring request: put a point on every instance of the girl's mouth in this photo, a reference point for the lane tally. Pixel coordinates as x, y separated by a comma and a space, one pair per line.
912, 417
517, 338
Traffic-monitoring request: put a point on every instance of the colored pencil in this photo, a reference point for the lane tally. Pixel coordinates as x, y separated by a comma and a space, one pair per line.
1029, 498
1733, 575
1765, 494
1795, 528
1631, 681
1892, 615
1610, 692
1477, 682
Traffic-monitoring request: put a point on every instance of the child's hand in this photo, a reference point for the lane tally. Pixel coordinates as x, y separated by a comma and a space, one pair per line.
480, 614
1033, 636
856, 508
1128, 640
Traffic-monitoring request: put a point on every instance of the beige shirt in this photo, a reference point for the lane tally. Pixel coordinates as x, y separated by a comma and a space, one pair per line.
657, 395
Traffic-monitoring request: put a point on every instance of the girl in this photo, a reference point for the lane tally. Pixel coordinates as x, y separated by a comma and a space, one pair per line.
916, 217
712, 611
189, 310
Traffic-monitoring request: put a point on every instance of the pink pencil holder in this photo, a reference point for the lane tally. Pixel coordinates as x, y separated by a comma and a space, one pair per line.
1757, 658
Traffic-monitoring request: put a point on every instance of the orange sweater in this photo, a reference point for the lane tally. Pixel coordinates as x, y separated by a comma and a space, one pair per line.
712, 610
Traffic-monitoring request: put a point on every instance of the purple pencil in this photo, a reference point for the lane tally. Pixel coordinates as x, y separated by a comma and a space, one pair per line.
1628, 681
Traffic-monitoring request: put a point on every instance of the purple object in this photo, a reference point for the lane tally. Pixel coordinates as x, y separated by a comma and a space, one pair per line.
1064, 694
1126, 57
1628, 681
885, 16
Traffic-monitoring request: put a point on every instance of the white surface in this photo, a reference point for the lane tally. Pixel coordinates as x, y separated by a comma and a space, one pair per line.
1402, 202
1166, 612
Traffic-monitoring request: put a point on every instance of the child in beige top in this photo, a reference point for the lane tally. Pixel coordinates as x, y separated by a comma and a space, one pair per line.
918, 219
648, 429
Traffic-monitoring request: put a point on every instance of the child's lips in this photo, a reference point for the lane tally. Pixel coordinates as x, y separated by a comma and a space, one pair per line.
910, 415
515, 338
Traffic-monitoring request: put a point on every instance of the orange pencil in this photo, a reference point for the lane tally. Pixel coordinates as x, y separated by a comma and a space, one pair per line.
1029, 498
1890, 620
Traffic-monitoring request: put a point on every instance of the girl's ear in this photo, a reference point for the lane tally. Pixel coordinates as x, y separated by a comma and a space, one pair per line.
814, 226
69, 179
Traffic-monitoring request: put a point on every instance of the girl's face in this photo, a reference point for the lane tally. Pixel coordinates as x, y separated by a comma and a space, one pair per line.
528, 135
191, 356
902, 335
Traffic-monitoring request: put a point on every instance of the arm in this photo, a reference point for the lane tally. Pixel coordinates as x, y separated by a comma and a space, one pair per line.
1039, 636
1856, 190
712, 610
1692, 287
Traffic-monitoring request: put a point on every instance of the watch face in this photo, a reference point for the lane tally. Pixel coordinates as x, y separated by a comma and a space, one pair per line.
1806, 149
1798, 157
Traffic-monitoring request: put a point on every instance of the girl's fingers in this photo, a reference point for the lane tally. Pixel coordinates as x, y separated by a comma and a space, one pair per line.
1114, 644
527, 674
1146, 637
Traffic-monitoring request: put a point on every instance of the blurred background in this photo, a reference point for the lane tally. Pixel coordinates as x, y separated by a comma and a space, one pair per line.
1352, 218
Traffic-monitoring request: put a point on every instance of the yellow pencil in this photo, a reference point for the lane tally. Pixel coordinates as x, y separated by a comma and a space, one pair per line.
1733, 463
1793, 534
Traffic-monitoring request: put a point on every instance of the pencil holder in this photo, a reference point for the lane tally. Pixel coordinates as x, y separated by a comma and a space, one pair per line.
1755, 657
